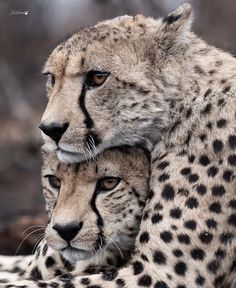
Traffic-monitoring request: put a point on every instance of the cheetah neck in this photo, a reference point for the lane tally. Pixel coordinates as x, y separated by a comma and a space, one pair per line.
199, 81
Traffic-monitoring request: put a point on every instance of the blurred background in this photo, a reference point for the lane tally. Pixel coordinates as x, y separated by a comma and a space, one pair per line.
29, 30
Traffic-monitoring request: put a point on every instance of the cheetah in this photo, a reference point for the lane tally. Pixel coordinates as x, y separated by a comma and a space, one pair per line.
154, 83
94, 211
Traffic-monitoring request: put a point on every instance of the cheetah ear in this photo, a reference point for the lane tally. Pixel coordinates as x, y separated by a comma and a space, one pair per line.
174, 30
179, 20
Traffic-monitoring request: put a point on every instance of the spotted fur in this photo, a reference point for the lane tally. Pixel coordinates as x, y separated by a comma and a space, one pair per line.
110, 222
174, 94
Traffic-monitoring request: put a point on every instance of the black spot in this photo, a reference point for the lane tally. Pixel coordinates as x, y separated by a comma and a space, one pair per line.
232, 159
168, 192
183, 192
175, 213
201, 189
227, 175
185, 171
221, 123
205, 237
211, 223
215, 207
219, 280
178, 253
166, 236
120, 282
221, 101
232, 141
217, 146
85, 281
203, 137
207, 109
200, 280
145, 281
49, 262
171, 19
197, 254
188, 112
144, 237
191, 203
204, 160
158, 206
226, 238
191, 158
36, 274
193, 178
109, 275
150, 194
159, 257
212, 171
180, 268
184, 239
144, 257
207, 92
232, 220
190, 224
161, 284
162, 165
220, 253
137, 267
213, 266
163, 177
232, 203
226, 89
218, 190
156, 218
209, 125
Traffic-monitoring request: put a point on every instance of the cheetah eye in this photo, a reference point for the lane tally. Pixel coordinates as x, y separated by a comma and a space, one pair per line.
107, 183
54, 182
51, 78
96, 78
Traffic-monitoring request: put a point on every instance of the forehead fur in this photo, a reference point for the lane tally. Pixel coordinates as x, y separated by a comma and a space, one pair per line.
116, 37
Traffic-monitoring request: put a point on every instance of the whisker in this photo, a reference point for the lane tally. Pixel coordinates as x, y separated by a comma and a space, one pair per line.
31, 227
27, 236
38, 242
117, 246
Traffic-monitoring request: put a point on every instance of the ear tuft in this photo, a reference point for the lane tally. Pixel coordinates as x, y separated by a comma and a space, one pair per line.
179, 17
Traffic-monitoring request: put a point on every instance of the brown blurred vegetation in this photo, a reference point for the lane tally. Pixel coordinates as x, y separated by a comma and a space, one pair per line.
25, 44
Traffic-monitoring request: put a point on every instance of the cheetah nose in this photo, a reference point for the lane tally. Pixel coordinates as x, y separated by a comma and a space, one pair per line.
68, 231
54, 130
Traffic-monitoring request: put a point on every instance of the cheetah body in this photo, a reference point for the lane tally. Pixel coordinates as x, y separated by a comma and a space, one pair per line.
172, 93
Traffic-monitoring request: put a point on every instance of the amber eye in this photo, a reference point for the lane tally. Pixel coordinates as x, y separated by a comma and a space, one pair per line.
96, 78
107, 183
54, 182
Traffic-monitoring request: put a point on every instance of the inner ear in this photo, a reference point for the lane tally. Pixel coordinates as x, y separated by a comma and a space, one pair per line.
180, 19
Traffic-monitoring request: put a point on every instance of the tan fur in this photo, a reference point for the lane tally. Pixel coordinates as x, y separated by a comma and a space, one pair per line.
120, 209
171, 92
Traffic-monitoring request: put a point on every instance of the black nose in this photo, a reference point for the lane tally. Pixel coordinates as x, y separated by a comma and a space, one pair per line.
68, 231
54, 130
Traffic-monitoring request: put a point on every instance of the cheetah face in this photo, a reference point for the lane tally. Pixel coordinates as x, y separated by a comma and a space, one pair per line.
101, 86
94, 206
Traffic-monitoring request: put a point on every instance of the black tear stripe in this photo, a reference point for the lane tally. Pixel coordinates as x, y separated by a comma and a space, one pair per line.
100, 240
88, 120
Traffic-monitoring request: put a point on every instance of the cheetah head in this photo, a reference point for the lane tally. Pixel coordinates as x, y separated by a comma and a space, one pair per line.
102, 84
95, 206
